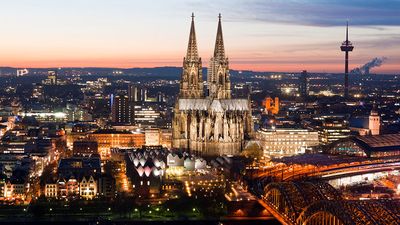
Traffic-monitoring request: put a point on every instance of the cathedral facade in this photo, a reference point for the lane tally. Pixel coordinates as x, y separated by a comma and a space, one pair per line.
209, 122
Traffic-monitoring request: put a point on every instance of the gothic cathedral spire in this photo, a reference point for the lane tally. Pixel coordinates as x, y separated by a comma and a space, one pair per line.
192, 53
210, 124
191, 85
219, 50
218, 78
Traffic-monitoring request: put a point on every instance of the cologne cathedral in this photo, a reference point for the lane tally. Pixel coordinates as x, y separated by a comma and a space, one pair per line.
207, 121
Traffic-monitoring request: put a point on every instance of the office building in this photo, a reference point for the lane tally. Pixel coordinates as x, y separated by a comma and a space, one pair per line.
121, 110
304, 84
286, 141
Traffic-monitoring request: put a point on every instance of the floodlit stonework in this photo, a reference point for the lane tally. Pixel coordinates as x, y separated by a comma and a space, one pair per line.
209, 124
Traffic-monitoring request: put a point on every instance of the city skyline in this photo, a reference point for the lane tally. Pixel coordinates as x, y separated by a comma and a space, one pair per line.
262, 36
218, 112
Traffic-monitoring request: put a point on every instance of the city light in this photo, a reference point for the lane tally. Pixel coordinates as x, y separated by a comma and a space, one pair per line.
142, 118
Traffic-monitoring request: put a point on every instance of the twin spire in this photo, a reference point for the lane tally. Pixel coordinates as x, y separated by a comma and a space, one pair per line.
219, 50
192, 53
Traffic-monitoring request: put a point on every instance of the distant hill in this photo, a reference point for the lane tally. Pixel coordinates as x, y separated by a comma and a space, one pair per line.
156, 72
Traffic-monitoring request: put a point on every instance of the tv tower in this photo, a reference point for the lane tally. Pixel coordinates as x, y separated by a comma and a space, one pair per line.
346, 47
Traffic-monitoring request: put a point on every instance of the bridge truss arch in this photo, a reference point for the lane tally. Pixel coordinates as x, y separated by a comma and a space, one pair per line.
291, 198
350, 213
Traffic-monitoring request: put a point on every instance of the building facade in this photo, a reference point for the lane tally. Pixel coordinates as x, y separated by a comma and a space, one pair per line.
303, 87
85, 148
374, 122
108, 139
209, 124
374, 146
286, 142
121, 110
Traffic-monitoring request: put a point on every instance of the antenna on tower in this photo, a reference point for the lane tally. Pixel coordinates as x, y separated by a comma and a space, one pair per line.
347, 30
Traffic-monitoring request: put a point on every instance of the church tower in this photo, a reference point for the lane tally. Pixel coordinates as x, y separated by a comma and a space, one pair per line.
210, 124
374, 122
191, 85
219, 84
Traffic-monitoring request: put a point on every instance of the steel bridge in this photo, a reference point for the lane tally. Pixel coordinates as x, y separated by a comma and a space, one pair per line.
318, 203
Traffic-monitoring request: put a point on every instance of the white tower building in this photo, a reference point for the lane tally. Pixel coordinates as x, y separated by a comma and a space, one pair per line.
374, 122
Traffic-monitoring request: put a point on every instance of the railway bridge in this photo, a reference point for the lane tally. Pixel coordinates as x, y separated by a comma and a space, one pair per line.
317, 202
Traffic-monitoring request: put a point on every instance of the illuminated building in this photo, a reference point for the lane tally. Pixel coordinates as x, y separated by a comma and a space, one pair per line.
137, 94
22, 72
333, 131
37, 92
374, 122
145, 168
13, 147
51, 190
153, 136
121, 110
108, 139
289, 89
331, 128
166, 138
88, 187
148, 166
51, 77
216, 124
368, 146
145, 114
271, 106
75, 113
286, 142
304, 84
15, 189
76, 132
366, 125
46, 116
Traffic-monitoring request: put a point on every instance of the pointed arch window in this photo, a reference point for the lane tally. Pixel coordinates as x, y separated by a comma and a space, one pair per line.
193, 78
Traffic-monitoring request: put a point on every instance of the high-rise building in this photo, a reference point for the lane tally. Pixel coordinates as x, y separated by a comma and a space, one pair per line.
132, 93
137, 94
304, 84
121, 110
212, 125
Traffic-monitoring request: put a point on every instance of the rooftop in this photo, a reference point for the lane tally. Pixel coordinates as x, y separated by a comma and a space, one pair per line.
378, 141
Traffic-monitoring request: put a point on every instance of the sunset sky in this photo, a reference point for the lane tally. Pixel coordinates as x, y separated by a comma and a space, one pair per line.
263, 35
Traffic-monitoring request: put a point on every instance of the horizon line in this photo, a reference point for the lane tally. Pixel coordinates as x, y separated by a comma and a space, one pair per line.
154, 67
